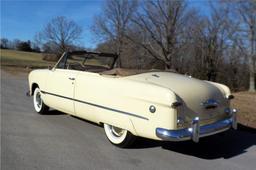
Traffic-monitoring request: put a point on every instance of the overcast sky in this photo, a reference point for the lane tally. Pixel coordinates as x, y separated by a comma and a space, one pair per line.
21, 19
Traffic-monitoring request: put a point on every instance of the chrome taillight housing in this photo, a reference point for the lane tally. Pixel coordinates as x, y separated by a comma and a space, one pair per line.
230, 97
176, 104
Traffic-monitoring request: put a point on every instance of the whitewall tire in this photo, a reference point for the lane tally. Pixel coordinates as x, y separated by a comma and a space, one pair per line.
119, 137
39, 105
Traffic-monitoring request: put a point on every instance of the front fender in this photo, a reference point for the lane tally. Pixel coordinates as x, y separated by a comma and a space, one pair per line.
37, 77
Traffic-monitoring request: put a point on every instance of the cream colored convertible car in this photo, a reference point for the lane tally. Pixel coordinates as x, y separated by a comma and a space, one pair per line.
153, 104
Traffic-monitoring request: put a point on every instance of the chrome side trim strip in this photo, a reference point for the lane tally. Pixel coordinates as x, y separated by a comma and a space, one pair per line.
96, 105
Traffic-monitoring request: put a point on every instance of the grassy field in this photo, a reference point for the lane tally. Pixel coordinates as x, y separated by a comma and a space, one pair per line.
22, 59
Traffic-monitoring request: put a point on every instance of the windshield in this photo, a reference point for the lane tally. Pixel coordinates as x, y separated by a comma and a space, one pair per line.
87, 61
96, 60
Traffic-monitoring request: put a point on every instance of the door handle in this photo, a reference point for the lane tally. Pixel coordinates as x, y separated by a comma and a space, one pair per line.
71, 78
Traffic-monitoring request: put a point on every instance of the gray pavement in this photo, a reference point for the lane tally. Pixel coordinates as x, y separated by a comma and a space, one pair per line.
59, 141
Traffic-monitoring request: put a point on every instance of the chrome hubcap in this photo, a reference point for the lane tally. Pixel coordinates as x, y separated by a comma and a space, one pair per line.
38, 100
117, 131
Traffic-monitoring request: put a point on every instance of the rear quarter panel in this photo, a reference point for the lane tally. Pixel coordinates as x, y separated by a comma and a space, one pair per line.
119, 95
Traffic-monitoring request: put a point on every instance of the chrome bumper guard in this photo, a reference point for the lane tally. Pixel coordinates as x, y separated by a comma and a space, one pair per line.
196, 131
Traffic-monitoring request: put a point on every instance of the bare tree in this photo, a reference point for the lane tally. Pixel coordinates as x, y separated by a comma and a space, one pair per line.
172, 34
4, 43
162, 23
211, 36
112, 24
247, 18
61, 32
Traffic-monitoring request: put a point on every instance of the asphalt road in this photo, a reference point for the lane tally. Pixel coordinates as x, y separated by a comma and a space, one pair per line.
59, 141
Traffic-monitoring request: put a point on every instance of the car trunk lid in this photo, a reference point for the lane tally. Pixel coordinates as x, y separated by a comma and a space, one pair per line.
199, 98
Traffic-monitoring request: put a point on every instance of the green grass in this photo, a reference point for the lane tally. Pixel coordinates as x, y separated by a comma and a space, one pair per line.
22, 59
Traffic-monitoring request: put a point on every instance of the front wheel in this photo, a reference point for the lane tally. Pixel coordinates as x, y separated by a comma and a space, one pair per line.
39, 105
119, 137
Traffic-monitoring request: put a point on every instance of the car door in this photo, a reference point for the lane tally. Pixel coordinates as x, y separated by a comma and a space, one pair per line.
60, 89
60, 85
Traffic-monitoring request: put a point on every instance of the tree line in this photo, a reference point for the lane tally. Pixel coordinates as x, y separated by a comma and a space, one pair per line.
217, 45
19, 45
59, 35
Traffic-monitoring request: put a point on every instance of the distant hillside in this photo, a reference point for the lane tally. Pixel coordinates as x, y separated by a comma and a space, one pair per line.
22, 59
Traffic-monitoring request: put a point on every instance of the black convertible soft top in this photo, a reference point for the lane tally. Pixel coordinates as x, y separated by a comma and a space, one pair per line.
96, 53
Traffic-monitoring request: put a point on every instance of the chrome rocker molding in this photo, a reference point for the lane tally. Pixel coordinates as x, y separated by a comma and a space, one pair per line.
196, 131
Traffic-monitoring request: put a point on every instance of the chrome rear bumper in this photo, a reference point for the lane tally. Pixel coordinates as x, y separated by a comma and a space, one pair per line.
196, 131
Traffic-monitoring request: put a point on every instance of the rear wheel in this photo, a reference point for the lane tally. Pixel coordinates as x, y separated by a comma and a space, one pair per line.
118, 136
39, 105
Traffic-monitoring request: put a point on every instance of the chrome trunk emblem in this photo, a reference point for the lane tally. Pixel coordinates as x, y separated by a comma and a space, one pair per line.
210, 104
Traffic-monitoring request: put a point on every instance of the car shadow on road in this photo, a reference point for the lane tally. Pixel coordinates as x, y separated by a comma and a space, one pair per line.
225, 145
53, 112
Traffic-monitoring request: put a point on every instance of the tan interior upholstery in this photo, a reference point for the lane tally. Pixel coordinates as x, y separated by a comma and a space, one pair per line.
128, 72
123, 72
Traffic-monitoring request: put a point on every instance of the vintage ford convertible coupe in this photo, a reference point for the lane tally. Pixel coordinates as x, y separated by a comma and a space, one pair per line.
159, 105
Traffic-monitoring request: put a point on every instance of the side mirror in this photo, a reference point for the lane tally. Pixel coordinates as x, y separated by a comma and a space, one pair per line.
49, 67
